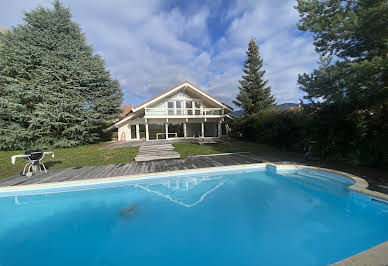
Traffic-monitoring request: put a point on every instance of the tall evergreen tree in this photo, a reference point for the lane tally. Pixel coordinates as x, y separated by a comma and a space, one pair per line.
254, 94
53, 90
356, 32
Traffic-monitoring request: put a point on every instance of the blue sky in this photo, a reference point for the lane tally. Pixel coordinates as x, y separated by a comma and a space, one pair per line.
150, 46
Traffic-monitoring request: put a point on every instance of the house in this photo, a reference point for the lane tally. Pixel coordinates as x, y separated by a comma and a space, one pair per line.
184, 111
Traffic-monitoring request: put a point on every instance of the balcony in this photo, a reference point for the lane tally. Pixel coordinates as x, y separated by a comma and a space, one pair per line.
184, 112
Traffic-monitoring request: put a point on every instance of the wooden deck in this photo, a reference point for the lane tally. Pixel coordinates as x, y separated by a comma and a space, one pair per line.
132, 168
124, 144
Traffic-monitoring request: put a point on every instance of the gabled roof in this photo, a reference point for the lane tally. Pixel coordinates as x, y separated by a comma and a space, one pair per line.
170, 91
177, 87
125, 109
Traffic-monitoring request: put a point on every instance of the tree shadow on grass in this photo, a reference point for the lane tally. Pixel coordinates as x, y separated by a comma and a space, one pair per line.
50, 164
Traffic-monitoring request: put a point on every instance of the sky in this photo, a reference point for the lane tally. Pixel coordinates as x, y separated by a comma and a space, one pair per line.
151, 46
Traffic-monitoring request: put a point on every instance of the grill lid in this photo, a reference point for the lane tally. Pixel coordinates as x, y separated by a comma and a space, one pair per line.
35, 154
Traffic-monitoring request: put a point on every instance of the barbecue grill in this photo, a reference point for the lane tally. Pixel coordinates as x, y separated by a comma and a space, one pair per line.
34, 158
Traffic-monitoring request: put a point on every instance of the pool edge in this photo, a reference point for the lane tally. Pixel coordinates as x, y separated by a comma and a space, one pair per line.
360, 185
377, 255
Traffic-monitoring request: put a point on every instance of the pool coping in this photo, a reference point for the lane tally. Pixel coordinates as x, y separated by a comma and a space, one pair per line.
360, 185
375, 254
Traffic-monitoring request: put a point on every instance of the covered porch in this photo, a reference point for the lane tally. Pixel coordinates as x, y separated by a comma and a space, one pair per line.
172, 128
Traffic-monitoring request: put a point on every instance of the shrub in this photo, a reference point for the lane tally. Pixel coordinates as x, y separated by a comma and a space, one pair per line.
359, 136
279, 128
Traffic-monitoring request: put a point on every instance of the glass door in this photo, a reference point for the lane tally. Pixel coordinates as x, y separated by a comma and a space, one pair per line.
133, 131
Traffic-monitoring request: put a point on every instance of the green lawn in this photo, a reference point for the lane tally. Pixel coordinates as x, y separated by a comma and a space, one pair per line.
88, 155
189, 149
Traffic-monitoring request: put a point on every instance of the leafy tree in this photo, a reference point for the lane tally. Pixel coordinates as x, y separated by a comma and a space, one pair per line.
255, 94
53, 90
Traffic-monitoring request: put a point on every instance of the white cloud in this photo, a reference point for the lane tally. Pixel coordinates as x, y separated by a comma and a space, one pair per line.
150, 48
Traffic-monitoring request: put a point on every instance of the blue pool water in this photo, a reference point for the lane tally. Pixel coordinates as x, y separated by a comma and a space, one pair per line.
239, 217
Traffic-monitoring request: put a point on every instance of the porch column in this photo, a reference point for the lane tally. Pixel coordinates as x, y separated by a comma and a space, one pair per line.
227, 129
184, 130
130, 132
146, 129
166, 130
202, 129
219, 129
137, 131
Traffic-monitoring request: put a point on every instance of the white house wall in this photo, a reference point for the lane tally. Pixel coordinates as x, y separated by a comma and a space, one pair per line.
124, 132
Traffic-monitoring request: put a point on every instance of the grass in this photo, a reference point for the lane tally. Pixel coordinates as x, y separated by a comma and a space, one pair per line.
88, 155
190, 149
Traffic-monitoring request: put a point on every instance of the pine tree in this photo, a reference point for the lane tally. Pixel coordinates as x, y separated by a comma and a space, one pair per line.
356, 32
53, 90
255, 94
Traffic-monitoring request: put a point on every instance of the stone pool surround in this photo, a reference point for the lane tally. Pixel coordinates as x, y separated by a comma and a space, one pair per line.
375, 256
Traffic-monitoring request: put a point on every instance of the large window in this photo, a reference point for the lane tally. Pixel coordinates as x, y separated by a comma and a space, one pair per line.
193, 107
175, 130
157, 131
211, 129
193, 130
175, 107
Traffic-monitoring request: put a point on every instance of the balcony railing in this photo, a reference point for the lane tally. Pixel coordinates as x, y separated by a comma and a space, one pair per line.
183, 112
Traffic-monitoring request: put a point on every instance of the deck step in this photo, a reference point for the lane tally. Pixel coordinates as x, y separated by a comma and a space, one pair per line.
156, 152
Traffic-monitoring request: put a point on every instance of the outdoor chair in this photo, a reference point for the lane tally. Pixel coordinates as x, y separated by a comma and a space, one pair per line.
34, 158
313, 151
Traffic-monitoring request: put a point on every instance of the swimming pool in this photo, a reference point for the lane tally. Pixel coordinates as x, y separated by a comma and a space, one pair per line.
239, 216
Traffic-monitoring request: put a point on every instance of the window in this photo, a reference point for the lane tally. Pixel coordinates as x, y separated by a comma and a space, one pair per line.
193, 130
175, 130
197, 105
170, 106
211, 129
142, 131
189, 104
157, 131
179, 106
133, 131
189, 107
